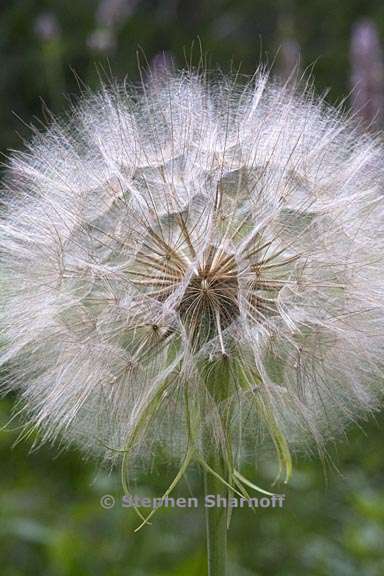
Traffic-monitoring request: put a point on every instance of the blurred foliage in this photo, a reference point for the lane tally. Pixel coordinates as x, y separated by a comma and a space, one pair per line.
51, 521
52, 524
45, 45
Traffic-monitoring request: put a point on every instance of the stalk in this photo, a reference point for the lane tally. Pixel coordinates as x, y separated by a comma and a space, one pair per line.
216, 524
216, 515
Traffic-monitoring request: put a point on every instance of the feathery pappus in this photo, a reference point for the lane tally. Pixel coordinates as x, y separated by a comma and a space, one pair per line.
195, 258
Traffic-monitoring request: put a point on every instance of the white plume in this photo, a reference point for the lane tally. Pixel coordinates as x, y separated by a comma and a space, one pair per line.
195, 255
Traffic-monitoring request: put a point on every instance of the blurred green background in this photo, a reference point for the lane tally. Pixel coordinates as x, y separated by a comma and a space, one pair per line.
51, 523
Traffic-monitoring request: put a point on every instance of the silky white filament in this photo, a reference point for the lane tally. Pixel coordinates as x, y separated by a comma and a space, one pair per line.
189, 232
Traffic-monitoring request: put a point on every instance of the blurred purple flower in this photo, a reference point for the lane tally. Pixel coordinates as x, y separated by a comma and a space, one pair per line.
367, 72
290, 57
111, 13
161, 64
161, 67
102, 40
46, 27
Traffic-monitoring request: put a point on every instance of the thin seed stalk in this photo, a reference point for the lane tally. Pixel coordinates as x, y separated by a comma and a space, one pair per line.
216, 522
218, 385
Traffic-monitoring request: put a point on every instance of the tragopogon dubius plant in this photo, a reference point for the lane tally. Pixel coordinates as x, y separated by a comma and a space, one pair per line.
198, 265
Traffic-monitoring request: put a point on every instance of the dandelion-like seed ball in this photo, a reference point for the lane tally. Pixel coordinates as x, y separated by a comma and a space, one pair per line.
196, 266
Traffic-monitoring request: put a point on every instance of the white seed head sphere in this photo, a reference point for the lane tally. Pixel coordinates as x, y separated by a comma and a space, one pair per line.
195, 256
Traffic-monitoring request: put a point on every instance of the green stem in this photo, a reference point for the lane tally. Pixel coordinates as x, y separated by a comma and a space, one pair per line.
216, 518
217, 378
216, 524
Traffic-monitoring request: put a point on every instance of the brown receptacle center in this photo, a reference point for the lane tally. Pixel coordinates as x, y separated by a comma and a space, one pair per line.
210, 301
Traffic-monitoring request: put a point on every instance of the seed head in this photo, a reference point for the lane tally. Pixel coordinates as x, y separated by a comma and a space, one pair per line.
195, 258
